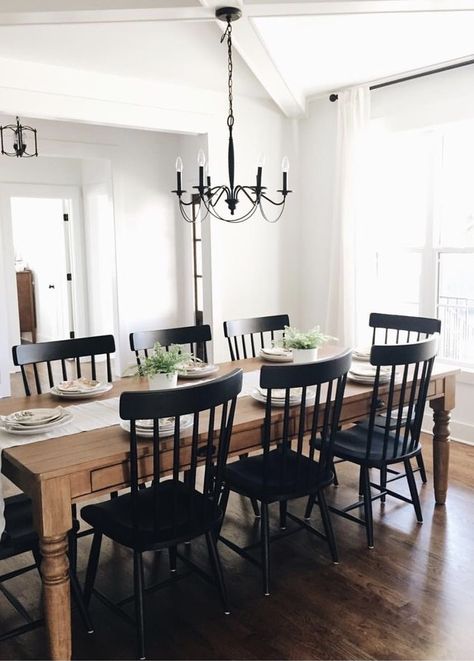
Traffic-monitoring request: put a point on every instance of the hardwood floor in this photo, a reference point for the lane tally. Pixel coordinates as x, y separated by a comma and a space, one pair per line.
412, 597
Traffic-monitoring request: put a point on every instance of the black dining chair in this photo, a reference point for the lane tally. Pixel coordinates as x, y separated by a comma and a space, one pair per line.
36, 356
246, 337
171, 511
19, 537
287, 468
141, 342
31, 356
370, 445
397, 329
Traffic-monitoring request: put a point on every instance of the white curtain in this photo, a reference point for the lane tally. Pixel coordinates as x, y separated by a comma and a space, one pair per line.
352, 124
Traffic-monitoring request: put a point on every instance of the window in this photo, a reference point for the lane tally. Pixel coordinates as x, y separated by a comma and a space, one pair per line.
415, 239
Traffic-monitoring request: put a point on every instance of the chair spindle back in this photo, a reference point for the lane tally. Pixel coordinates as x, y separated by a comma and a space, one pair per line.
236, 331
141, 342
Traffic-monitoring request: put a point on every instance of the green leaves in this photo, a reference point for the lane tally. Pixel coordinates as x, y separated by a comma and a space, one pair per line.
164, 361
312, 339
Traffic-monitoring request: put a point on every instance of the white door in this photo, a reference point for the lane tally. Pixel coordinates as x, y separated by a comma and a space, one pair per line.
41, 244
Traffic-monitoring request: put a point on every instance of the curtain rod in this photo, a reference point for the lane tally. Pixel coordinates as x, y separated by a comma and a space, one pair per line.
448, 67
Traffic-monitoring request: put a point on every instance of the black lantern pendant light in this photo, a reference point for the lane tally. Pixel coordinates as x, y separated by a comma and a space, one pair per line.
20, 138
251, 197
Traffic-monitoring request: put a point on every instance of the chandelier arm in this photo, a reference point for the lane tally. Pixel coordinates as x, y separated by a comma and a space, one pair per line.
269, 220
275, 204
240, 219
221, 190
245, 189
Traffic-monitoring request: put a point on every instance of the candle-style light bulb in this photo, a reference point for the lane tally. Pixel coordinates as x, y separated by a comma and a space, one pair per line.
261, 161
179, 171
201, 159
285, 166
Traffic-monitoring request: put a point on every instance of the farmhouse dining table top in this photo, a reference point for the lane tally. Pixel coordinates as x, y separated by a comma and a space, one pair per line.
60, 471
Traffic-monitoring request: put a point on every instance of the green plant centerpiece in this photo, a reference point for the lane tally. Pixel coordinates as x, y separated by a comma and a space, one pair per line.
162, 365
304, 345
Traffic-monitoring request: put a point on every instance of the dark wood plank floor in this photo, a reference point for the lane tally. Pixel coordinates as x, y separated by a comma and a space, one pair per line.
412, 597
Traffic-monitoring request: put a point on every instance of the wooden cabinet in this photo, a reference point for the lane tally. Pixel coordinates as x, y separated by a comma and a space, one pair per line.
26, 303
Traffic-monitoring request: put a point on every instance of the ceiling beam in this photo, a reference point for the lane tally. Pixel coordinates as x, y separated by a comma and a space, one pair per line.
250, 47
106, 16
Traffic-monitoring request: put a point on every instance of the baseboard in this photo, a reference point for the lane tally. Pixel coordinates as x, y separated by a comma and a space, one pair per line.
460, 431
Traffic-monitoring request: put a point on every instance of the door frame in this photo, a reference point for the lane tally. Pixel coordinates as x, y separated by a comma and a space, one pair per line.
72, 194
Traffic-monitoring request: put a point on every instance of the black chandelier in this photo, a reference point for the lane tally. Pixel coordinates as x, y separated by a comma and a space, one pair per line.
18, 135
210, 196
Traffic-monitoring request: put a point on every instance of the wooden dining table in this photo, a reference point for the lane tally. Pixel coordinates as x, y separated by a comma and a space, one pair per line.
58, 472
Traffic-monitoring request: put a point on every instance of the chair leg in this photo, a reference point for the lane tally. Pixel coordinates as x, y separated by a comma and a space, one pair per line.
361, 481
217, 568
309, 506
283, 508
369, 522
173, 551
138, 589
223, 505
327, 524
421, 466
79, 601
265, 545
383, 482
255, 508
92, 567
335, 480
413, 490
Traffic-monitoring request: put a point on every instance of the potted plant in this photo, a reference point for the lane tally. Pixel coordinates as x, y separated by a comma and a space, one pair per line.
162, 366
304, 346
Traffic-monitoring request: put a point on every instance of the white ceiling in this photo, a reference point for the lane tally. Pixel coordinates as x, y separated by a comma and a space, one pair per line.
289, 50
317, 54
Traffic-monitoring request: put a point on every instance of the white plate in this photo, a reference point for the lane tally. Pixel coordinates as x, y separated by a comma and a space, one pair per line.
75, 394
42, 429
279, 402
276, 356
34, 417
367, 380
200, 372
142, 432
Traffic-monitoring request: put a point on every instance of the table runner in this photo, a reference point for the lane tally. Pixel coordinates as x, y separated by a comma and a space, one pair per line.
89, 416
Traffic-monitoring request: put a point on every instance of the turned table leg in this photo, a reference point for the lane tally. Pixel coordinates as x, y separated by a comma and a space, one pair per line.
53, 520
56, 595
441, 415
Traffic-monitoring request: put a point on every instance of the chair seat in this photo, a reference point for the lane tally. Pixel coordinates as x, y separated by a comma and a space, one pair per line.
19, 534
183, 514
351, 444
288, 475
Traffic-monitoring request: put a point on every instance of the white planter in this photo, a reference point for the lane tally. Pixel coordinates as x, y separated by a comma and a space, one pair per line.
305, 355
162, 381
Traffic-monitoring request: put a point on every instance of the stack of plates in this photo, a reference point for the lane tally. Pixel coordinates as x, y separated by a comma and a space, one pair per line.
362, 354
278, 396
80, 388
366, 374
34, 421
144, 428
276, 355
196, 369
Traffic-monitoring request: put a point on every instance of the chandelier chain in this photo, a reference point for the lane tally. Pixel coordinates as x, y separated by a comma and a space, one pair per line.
230, 69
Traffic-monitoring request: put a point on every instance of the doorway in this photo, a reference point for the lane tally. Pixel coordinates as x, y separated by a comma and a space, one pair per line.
45, 249
42, 259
